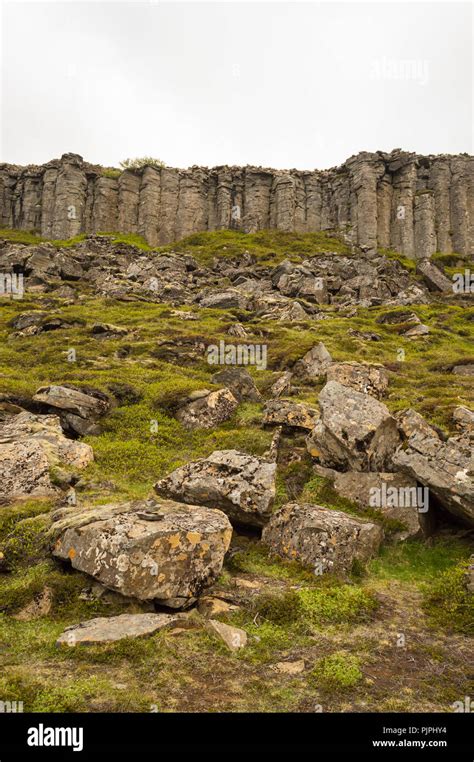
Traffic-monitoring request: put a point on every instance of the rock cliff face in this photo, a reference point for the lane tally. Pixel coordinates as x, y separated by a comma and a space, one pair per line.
414, 204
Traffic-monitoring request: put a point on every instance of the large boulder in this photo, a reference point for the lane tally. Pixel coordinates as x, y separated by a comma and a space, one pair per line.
397, 496
291, 415
30, 446
363, 377
320, 538
148, 550
356, 432
445, 467
205, 409
241, 485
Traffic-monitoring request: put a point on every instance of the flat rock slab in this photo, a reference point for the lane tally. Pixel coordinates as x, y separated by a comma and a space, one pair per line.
111, 629
147, 550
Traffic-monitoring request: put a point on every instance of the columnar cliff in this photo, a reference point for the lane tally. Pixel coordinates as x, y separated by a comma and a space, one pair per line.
414, 204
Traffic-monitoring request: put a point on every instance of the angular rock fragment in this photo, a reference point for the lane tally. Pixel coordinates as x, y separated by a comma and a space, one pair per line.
314, 364
445, 467
282, 385
320, 538
355, 432
434, 278
241, 485
208, 410
233, 637
363, 377
291, 415
78, 410
240, 383
148, 550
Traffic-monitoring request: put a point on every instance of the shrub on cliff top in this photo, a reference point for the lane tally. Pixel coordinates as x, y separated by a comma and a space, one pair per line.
139, 163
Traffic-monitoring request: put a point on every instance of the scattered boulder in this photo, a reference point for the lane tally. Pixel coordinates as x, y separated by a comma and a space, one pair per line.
291, 415
314, 364
110, 629
208, 410
30, 446
148, 550
240, 383
445, 467
321, 538
355, 432
417, 331
363, 377
241, 485
233, 637
78, 409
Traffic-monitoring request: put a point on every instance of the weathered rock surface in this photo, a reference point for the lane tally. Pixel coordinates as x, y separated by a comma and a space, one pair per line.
233, 637
445, 467
320, 538
314, 364
148, 550
363, 377
208, 410
110, 629
396, 496
435, 279
241, 485
30, 445
166, 204
291, 415
355, 432
240, 383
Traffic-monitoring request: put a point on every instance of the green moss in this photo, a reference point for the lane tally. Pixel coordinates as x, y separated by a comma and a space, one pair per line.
416, 562
26, 544
256, 559
337, 604
448, 602
339, 671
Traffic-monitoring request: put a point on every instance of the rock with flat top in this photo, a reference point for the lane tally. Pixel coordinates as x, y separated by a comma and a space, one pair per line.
153, 549
321, 538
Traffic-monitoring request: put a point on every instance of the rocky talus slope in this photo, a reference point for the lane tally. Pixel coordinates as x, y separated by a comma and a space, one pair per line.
235, 473
414, 204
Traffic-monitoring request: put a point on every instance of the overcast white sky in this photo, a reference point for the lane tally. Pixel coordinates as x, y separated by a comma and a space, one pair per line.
278, 84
